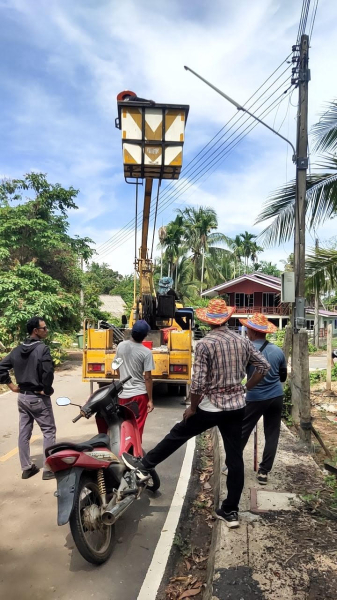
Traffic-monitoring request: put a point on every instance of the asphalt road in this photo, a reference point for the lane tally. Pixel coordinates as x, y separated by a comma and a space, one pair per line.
38, 559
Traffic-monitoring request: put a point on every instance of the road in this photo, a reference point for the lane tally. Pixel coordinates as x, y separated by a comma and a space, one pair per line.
38, 559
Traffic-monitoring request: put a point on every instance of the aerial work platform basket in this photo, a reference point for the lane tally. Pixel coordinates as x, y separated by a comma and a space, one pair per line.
152, 138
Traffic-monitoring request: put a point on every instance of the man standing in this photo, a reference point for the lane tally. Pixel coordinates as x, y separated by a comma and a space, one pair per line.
266, 398
137, 362
217, 399
34, 373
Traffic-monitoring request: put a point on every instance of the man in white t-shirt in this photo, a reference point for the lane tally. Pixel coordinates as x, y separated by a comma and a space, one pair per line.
137, 362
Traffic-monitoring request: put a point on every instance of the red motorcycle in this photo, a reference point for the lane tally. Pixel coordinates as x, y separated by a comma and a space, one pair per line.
94, 487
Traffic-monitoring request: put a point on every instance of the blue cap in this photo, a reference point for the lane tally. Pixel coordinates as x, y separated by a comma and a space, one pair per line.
142, 327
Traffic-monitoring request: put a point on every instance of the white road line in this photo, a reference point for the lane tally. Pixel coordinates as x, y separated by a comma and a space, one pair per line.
157, 567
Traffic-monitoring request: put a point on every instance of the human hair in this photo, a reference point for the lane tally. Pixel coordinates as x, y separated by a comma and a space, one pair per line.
138, 337
33, 323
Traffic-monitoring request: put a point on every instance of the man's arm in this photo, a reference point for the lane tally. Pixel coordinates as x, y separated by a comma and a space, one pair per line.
149, 388
47, 372
262, 366
200, 370
5, 367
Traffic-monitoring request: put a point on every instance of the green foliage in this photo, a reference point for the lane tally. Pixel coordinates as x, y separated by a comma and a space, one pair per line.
26, 291
277, 338
319, 376
312, 348
39, 260
124, 288
331, 483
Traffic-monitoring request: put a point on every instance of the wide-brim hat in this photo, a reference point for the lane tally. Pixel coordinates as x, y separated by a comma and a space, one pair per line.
217, 312
259, 322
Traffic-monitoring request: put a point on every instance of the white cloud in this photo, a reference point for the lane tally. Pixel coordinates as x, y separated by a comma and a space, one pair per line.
61, 107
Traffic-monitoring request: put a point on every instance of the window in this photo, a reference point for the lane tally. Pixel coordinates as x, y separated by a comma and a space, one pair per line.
310, 325
335, 323
244, 300
269, 299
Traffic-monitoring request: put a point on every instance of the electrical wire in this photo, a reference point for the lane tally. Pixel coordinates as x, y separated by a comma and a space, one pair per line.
237, 140
173, 197
186, 169
313, 20
182, 184
203, 170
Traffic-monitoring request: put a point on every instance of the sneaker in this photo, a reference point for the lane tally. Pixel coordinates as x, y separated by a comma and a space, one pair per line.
48, 475
225, 471
30, 472
231, 518
135, 464
262, 477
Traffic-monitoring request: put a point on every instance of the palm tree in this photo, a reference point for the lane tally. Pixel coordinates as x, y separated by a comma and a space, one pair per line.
249, 247
200, 224
321, 198
173, 245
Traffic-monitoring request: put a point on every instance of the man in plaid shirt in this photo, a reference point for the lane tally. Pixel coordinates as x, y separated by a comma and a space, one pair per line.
217, 399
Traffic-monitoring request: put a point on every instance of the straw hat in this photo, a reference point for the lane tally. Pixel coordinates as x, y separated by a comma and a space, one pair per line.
259, 322
217, 312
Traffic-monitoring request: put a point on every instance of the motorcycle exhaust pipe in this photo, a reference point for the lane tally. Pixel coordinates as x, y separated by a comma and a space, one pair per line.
111, 515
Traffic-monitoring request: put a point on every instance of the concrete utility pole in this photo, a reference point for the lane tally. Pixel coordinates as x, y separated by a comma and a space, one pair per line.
300, 358
328, 357
316, 321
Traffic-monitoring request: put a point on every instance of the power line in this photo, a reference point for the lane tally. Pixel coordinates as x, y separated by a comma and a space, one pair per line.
313, 20
237, 140
186, 184
182, 184
186, 169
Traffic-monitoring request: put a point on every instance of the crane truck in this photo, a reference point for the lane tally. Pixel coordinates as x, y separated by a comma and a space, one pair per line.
152, 143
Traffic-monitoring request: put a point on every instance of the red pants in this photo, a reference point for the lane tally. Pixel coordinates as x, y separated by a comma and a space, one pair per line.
142, 401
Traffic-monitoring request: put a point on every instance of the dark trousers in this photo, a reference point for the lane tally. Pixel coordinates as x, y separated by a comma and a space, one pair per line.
34, 408
271, 411
230, 426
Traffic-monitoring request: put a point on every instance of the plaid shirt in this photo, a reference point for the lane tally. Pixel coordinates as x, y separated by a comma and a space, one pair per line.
220, 365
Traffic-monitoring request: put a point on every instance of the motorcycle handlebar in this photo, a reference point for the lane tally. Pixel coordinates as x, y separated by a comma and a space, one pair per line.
125, 380
77, 418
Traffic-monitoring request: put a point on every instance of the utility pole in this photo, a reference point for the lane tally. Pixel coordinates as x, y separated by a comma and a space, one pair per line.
300, 358
316, 322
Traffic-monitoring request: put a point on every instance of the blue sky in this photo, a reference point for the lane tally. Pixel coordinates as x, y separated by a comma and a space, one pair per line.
63, 64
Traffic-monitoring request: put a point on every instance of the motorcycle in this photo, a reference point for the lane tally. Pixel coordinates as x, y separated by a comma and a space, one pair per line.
94, 486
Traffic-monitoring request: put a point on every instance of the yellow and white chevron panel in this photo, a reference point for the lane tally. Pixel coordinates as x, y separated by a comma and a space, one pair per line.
150, 125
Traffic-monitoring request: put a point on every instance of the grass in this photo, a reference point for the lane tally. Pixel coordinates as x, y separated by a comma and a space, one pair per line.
183, 546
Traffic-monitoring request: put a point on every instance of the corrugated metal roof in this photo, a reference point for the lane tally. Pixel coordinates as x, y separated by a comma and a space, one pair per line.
114, 305
322, 312
261, 278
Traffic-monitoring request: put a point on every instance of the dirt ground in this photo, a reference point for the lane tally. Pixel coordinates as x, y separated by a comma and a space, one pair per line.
186, 571
324, 413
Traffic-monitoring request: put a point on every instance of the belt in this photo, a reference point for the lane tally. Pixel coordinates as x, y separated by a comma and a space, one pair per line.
29, 393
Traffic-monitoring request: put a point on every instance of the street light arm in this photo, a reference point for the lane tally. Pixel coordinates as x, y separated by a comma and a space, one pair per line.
240, 107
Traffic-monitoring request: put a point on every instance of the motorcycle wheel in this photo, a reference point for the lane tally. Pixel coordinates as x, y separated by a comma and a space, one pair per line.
93, 539
153, 483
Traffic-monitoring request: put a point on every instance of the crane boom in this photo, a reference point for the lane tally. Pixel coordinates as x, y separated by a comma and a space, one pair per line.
146, 217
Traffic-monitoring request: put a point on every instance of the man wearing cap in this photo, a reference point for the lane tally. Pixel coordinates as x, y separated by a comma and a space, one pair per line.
266, 398
217, 399
137, 362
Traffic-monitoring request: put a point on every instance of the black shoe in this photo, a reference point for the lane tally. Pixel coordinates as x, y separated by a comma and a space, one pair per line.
30, 472
231, 518
262, 477
135, 464
48, 475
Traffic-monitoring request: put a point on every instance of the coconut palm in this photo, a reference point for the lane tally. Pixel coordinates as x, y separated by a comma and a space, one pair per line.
173, 244
321, 197
200, 236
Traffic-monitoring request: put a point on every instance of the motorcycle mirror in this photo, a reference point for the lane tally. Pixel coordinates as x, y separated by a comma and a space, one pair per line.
116, 363
63, 401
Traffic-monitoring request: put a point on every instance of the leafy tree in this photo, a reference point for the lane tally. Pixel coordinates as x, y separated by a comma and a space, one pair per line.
34, 228
103, 277
267, 267
26, 291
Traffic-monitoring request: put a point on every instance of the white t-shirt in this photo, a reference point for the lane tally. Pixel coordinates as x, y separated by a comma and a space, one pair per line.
137, 359
207, 405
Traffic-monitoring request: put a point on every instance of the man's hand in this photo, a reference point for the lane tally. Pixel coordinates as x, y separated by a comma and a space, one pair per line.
14, 388
189, 412
150, 406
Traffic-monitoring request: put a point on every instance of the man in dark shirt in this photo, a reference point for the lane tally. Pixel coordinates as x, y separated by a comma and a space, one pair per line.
34, 373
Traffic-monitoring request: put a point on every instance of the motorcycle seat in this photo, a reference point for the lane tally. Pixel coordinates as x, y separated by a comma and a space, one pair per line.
101, 439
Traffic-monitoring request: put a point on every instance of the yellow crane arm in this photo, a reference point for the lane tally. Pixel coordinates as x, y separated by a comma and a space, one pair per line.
146, 217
